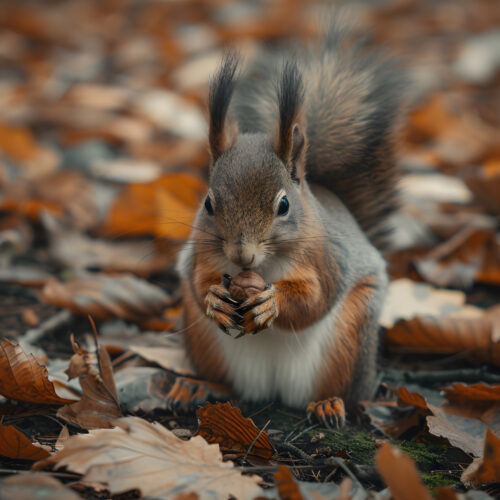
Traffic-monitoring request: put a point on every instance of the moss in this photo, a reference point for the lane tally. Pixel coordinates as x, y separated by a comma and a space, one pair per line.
427, 456
437, 480
359, 445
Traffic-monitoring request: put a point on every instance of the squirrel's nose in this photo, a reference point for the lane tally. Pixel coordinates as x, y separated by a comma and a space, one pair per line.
241, 255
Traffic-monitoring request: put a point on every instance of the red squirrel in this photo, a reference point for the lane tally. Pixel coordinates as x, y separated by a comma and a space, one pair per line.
302, 181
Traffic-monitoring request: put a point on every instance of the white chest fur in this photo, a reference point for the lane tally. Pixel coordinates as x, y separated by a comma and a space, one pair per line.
278, 364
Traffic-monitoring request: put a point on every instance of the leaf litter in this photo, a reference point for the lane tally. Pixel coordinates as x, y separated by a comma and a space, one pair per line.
102, 167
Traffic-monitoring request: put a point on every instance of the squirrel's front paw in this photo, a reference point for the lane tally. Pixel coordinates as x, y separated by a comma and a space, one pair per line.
222, 309
260, 310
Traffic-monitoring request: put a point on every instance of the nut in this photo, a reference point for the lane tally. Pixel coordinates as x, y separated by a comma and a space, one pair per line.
245, 285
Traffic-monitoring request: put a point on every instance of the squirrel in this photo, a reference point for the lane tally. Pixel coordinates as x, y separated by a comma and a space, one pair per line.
302, 182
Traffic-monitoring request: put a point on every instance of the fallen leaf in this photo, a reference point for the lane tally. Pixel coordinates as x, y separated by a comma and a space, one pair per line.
99, 404
473, 394
285, 482
76, 250
486, 469
135, 449
23, 378
14, 444
407, 299
400, 474
29, 485
164, 208
101, 296
407, 398
461, 432
223, 424
470, 255
477, 336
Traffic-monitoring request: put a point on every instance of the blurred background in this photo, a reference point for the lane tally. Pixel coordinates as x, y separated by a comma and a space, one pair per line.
103, 128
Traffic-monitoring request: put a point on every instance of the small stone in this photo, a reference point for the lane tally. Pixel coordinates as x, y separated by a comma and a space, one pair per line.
317, 437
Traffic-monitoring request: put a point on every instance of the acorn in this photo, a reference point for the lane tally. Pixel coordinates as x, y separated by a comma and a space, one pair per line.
245, 285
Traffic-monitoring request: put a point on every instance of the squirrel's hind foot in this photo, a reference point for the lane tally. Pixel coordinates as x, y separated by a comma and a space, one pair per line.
329, 412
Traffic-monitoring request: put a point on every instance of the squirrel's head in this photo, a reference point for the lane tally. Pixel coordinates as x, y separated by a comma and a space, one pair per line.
254, 202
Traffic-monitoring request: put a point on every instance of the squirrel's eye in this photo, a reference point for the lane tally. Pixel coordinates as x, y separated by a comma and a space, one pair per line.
283, 206
208, 206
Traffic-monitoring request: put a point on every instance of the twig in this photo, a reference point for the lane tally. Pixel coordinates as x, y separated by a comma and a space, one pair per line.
301, 432
256, 438
295, 451
469, 375
264, 408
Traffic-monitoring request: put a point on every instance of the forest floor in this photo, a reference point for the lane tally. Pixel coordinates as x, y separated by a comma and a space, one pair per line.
103, 162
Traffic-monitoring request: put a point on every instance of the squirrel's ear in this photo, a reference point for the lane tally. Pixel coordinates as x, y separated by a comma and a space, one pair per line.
222, 131
290, 140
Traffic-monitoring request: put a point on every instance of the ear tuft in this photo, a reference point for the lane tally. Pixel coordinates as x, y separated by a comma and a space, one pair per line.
290, 141
222, 133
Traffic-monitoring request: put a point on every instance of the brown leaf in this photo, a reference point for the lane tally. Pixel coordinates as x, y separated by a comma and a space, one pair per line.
23, 378
223, 424
461, 432
101, 296
285, 482
477, 336
472, 254
29, 485
123, 456
99, 403
400, 474
407, 398
473, 394
485, 184
164, 208
14, 444
487, 469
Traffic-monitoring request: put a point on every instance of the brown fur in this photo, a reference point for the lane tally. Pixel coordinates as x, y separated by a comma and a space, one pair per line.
340, 360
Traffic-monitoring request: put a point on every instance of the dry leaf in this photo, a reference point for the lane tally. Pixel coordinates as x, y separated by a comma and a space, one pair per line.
29, 485
487, 469
400, 474
23, 378
407, 398
285, 482
471, 254
476, 336
461, 432
76, 250
164, 208
407, 299
99, 403
146, 456
101, 296
223, 424
473, 394
14, 444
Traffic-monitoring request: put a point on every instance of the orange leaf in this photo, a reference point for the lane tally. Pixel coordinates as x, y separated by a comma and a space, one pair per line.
476, 336
285, 482
400, 474
487, 469
164, 207
14, 444
17, 143
471, 394
103, 297
99, 403
223, 424
23, 378
407, 398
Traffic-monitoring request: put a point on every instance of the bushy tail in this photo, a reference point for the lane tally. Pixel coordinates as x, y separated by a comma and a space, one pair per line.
352, 103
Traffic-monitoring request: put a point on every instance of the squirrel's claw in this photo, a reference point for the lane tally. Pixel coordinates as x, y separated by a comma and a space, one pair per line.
329, 412
220, 308
260, 310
